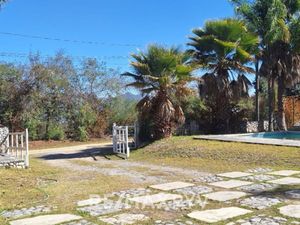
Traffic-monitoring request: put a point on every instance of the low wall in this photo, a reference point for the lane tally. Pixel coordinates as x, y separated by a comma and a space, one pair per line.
254, 127
3, 134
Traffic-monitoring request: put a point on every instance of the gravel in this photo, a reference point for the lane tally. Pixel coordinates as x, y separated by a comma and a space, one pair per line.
81, 222
260, 202
262, 220
131, 193
259, 170
18, 213
107, 207
176, 222
258, 188
259, 178
207, 179
194, 190
293, 194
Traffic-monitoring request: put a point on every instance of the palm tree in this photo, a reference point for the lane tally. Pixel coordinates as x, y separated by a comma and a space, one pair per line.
161, 75
223, 48
277, 24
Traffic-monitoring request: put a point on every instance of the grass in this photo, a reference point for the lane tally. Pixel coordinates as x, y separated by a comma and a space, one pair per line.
216, 156
46, 185
62, 188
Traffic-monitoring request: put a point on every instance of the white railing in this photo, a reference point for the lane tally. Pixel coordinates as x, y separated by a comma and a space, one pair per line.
133, 136
120, 141
17, 146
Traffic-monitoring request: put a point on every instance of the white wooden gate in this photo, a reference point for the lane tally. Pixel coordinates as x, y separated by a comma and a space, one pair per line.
124, 138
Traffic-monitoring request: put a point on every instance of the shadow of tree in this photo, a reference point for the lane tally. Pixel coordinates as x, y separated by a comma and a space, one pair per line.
279, 192
105, 152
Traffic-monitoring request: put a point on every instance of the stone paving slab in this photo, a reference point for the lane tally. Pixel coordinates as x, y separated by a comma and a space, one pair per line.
223, 196
46, 219
234, 174
171, 186
156, 198
290, 211
124, 219
285, 173
90, 201
231, 183
286, 181
217, 215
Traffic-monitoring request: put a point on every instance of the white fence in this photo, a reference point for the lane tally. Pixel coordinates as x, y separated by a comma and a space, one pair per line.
124, 138
17, 146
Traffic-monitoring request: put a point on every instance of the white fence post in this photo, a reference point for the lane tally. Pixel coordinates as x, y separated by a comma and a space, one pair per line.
114, 137
121, 140
27, 149
126, 142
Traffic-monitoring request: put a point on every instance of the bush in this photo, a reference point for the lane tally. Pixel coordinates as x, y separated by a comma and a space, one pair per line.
56, 133
82, 134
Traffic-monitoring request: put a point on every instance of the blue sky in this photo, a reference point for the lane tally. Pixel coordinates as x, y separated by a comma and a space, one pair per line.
108, 22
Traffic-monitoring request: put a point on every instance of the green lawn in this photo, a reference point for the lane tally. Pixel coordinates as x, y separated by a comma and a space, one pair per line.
43, 184
216, 156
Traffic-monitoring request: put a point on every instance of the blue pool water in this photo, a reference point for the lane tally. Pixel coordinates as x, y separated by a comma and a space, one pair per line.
278, 135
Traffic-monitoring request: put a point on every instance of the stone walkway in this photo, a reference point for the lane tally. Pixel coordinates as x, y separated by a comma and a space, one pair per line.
238, 198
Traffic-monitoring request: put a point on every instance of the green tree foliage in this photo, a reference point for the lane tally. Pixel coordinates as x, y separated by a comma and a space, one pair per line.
57, 100
277, 24
223, 48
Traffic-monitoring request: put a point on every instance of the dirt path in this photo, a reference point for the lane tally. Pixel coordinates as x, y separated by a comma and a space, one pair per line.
96, 158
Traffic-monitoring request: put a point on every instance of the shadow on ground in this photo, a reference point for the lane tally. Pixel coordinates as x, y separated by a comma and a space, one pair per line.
105, 152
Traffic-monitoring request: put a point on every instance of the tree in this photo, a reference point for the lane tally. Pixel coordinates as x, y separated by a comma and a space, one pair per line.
15, 91
2, 2
161, 74
277, 24
224, 48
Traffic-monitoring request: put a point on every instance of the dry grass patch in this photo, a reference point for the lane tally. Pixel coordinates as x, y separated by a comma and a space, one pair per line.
38, 145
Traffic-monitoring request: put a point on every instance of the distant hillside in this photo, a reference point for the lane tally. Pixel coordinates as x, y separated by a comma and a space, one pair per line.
131, 96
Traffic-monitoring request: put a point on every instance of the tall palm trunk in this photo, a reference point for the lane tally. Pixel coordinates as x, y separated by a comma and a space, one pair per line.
163, 111
257, 93
281, 115
271, 101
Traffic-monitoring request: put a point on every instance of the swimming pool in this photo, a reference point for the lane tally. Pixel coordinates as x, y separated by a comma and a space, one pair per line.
289, 135
285, 138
